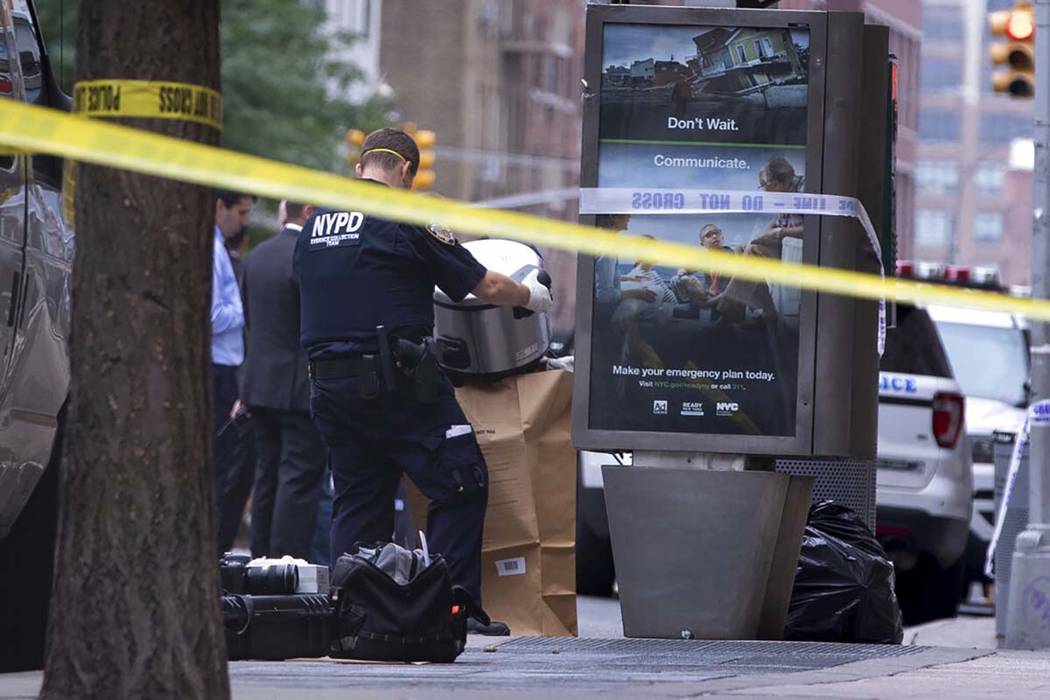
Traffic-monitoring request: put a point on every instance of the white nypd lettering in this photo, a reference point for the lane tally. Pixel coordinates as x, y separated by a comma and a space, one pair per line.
336, 229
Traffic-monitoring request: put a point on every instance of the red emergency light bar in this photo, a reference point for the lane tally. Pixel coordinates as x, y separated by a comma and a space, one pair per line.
964, 275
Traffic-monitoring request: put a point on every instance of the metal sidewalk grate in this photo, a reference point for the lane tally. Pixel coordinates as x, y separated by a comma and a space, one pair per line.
728, 656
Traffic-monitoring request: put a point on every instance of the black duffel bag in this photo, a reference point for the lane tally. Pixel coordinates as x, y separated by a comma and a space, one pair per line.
394, 604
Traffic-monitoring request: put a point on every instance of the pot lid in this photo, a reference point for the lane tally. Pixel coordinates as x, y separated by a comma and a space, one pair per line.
511, 258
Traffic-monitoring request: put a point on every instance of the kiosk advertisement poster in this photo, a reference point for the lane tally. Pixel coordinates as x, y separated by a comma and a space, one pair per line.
699, 107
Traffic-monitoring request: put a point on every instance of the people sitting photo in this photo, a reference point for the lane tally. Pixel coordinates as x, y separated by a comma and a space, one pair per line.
741, 296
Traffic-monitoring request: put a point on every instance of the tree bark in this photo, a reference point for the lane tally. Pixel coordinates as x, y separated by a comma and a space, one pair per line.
135, 610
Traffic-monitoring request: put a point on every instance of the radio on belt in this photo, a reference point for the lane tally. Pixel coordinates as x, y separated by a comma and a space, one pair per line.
485, 341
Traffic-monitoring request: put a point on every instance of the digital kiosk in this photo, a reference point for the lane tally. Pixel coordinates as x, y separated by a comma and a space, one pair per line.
756, 118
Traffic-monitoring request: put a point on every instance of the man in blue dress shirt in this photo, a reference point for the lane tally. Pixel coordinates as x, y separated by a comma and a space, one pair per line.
232, 211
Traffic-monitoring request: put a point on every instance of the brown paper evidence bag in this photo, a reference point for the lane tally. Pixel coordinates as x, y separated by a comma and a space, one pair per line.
528, 574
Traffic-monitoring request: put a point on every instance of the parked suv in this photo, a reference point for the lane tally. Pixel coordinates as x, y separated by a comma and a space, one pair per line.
36, 257
924, 487
989, 355
924, 484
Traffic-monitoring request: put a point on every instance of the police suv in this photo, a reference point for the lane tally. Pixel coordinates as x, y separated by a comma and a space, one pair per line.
924, 483
988, 352
924, 491
989, 356
36, 256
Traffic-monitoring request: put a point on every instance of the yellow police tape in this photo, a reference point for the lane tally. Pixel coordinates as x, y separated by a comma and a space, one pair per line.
150, 99
40, 130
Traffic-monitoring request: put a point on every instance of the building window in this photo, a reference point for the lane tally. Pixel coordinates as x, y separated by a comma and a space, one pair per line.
988, 177
365, 17
740, 52
937, 176
988, 227
933, 227
1005, 127
939, 125
941, 74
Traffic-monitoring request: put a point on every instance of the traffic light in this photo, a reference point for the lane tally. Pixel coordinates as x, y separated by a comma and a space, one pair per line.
1017, 53
425, 139
354, 140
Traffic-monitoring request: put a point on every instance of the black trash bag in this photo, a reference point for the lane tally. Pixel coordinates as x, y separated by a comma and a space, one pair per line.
844, 584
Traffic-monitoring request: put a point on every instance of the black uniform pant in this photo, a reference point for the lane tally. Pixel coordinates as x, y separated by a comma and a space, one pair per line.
288, 481
234, 457
372, 442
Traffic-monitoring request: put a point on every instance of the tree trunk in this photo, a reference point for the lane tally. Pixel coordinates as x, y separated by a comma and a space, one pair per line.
135, 610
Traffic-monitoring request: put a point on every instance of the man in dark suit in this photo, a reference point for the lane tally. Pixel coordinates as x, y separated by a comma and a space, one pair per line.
276, 391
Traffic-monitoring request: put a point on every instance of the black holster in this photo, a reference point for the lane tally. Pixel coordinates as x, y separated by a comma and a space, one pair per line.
418, 362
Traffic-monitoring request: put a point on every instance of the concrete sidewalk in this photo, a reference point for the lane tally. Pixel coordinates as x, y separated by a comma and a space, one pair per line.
609, 667
533, 667
964, 632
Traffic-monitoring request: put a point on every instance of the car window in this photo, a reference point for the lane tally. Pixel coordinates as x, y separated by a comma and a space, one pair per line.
989, 362
7, 88
46, 169
913, 346
29, 57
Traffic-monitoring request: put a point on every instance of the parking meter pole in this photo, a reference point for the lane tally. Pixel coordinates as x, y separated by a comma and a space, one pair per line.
1039, 512
1028, 616
1041, 181
1039, 475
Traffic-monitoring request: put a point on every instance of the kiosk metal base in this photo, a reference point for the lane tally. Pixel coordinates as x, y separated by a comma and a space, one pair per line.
705, 554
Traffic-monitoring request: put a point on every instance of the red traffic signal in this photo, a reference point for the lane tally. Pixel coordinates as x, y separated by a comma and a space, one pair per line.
1021, 25
1018, 53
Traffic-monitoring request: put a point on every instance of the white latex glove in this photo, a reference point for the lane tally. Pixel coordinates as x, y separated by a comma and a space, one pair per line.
540, 299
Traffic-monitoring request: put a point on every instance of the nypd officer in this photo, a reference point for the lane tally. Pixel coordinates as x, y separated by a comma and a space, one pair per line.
382, 405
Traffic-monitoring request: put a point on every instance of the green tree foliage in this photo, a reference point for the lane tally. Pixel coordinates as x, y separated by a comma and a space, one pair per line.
283, 92
278, 78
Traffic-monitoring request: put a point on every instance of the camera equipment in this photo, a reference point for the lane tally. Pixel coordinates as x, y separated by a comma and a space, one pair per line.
263, 615
272, 579
275, 627
233, 572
